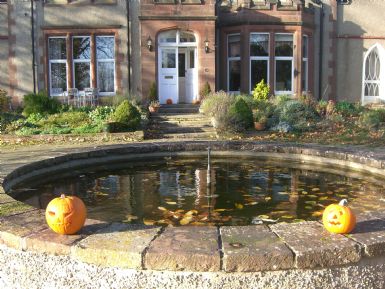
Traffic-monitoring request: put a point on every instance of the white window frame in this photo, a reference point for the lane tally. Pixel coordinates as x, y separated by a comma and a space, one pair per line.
236, 58
278, 58
306, 61
267, 58
107, 93
381, 55
51, 61
177, 40
80, 60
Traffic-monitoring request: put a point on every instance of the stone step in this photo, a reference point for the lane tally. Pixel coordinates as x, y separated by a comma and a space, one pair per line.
180, 105
178, 109
183, 129
200, 135
177, 116
197, 123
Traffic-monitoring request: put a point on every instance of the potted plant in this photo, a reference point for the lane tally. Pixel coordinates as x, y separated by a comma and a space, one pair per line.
260, 120
153, 106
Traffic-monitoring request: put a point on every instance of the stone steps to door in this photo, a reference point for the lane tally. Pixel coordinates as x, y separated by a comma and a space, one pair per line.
172, 123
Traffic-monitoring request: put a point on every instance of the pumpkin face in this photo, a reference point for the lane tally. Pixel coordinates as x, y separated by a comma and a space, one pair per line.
338, 218
66, 215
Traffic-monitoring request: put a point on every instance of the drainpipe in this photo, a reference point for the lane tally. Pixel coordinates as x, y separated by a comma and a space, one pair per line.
128, 44
33, 47
321, 41
216, 47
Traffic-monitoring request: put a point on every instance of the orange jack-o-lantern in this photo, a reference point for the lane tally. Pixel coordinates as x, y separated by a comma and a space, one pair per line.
338, 218
66, 215
169, 101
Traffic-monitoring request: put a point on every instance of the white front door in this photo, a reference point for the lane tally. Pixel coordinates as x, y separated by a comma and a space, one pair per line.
191, 76
182, 75
168, 74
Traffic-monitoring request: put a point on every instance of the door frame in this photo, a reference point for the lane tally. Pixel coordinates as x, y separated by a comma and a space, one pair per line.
177, 45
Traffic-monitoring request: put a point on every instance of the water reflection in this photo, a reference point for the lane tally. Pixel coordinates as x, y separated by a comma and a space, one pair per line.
232, 193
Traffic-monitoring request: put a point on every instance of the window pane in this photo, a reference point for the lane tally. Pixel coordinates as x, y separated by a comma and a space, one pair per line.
169, 37
304, 46
259, 45
258, 72
234, 75
168, 58
81, 48
304, 76
57, 48
234, 42
82, 75
182, 64
283, 45
283, 75
186, 37
106, 81
192, 59
58, 78
105, 48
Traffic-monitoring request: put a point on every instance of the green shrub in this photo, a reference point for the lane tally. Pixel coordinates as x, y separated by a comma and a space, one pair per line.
205, 91
321, 107
216, 103
6, 119
240, 114
263, 110
372, 119
296, 114
40, 103
261, 91
248, 99
70, 119
101, 114
346, 108
279, 100
128, 115
152, 93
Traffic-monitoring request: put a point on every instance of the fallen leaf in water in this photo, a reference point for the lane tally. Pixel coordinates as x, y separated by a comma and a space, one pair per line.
267, 198
148, 222
162, 208
312, 196
220, 210
308, 207
186, 220
263, 216
238, 206
311, 202
315, 189
304, 193
251, 203
323, 198
287, 217
191, 212
171, 203
298, 220
317, 214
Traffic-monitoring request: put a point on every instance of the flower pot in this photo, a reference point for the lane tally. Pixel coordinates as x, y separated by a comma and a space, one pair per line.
259, 126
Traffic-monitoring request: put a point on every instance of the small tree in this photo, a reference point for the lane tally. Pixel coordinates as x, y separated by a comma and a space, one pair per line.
261, 91
152, 94
205, 91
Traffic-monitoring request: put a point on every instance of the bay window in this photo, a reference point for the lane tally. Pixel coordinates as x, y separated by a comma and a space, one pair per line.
91, 68
284, 70
259, 58
234, 63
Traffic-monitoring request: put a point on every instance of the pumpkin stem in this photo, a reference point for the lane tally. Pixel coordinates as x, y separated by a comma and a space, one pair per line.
343, 202
62, 196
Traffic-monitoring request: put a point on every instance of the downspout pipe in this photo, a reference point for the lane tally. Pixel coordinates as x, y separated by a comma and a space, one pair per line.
321, 44
33, 47
128, 45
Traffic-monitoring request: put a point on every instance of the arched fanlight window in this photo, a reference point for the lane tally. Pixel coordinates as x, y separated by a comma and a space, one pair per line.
373, 75
176, 36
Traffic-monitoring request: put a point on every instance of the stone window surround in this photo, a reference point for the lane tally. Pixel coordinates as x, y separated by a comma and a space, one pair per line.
272, 30
69, 34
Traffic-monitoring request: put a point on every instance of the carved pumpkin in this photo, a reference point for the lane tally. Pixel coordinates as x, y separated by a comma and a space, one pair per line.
338, 218
66, 215
169, 101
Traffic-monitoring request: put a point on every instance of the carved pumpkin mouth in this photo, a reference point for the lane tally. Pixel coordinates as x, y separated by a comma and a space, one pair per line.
335, 223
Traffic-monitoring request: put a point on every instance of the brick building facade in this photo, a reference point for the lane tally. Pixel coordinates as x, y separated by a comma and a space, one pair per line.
333, 49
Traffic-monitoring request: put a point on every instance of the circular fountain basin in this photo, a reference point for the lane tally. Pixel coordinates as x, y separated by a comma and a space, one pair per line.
285, 255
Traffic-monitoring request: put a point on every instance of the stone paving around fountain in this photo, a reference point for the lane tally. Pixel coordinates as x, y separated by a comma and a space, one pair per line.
262, 248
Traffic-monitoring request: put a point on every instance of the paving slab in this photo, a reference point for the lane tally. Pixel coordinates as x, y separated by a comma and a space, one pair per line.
14, 228
185, 249
370, 232
14, 207
116, 245
314, 247
50, 242
254, 248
